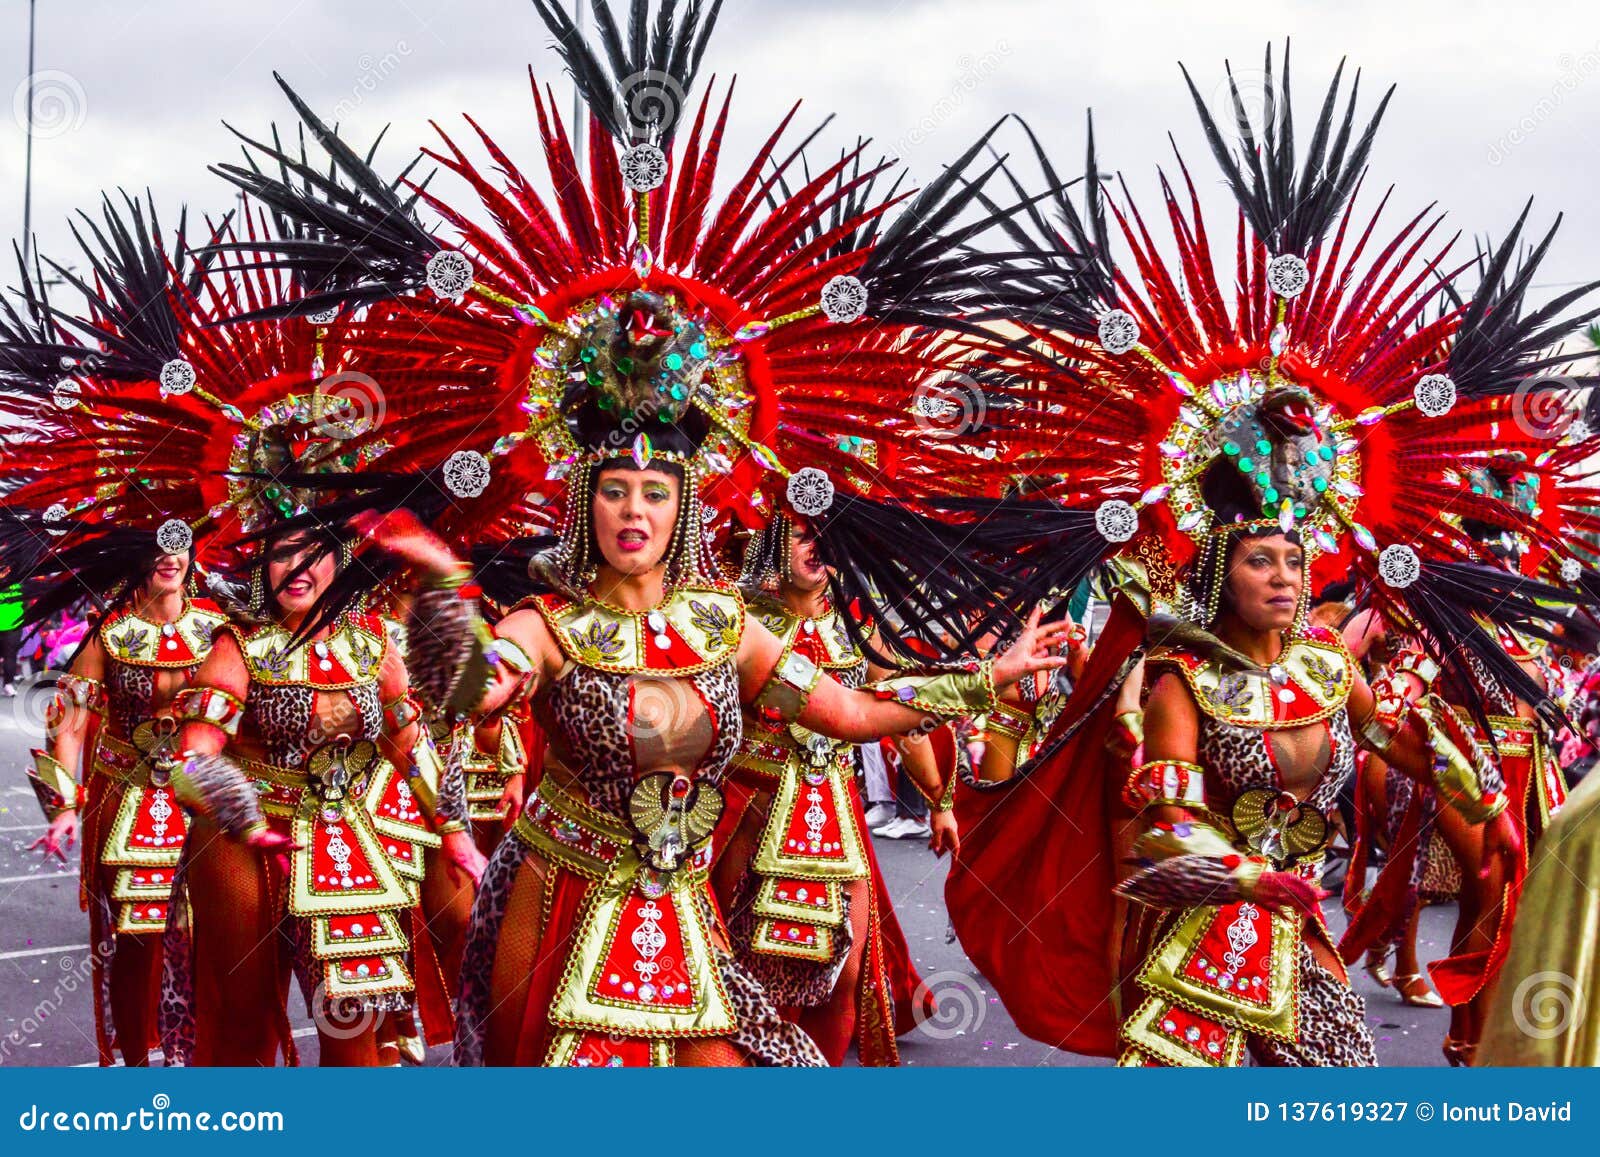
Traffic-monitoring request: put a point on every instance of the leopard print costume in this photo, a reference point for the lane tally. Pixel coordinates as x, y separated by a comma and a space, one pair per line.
605, 727
130, 689
1330, 1012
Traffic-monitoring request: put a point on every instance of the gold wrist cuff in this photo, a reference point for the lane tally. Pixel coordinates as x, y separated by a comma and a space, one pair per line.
953, 695
788, 690
53, 785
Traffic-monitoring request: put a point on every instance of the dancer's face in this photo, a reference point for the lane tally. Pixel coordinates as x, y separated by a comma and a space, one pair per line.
806, 571
1264, 580
166, 577
634, 511
295, 596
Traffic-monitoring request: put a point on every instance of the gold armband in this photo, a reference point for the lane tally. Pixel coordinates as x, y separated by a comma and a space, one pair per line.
476, 672
1464, 775
53, 784
510, 757
1186, 836
401, 713
209, 705
1248, 874
786, 693
953, 695
74, 693
424, 772
1009, 721
1165, 781
453, 581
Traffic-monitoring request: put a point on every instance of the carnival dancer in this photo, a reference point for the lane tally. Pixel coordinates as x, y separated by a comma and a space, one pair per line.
171, 418
1235, 447
1521, 731
796, 876
111, 714
1395, 813
291, 755
625, 344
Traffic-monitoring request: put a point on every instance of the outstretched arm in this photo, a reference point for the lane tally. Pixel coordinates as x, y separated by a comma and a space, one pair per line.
789, 687
1427, 741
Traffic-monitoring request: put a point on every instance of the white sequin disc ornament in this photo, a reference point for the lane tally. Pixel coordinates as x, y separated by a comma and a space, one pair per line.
449, 274
1116, 520
1399, 566
174, 536
1119, 331
177, 377
644, 167
466, 473
843, 298
1435, 395
1288, 275
810, 492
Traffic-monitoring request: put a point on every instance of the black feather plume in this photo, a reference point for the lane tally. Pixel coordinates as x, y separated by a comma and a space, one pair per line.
1451, 601
1061, 274
348, 235
917, 579
639, 90
1290, 204
1499, 343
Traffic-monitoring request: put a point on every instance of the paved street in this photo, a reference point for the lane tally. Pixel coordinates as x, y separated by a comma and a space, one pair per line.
45, 1002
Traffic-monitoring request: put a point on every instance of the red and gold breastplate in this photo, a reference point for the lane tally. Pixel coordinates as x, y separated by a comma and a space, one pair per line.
644, 691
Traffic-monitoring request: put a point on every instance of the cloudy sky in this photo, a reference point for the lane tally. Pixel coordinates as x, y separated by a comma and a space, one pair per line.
1494, 103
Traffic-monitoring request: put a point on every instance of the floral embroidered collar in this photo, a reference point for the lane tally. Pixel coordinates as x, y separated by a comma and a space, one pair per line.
184, 642
349, 657
1310, 681
695, 628
825, 639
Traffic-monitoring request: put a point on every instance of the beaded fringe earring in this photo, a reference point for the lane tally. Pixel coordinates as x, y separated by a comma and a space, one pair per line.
258, 588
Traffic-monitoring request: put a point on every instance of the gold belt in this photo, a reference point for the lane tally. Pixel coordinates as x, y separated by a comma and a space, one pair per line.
579, 836
123, 762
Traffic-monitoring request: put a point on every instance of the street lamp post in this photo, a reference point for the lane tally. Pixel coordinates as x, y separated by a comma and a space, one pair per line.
27, 164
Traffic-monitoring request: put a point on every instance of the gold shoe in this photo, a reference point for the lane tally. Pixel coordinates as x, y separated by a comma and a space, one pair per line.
1378, 969
413, 1049
1414, 991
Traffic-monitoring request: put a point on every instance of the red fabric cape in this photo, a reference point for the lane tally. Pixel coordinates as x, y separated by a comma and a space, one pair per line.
1030, 896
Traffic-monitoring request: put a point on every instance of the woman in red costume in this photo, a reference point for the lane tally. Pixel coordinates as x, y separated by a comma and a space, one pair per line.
807, 909
111, 714
595, 939
291, 751
1260, 437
